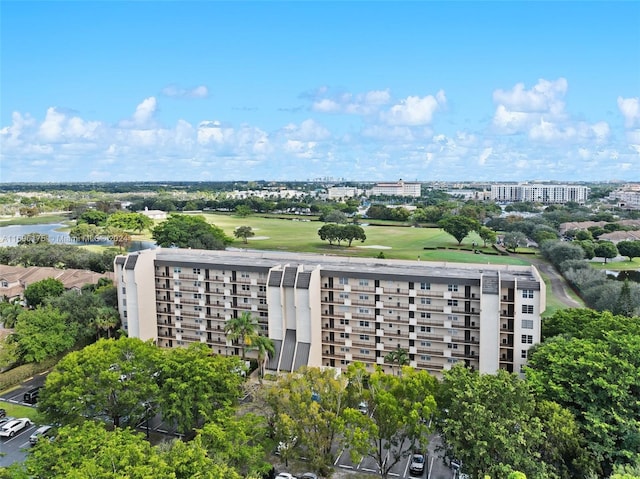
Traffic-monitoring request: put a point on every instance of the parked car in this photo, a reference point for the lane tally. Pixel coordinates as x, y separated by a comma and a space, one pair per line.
6, 419
42, 431
285, 475
31, 396
416, 467
10, 428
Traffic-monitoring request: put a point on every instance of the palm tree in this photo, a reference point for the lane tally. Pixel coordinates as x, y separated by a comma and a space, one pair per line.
398, 356
106, 319
9, 312
243, 329
266, 349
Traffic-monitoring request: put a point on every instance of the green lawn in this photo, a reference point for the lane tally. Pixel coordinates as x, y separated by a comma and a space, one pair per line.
17, 410
395, 242
35, 220
618, 265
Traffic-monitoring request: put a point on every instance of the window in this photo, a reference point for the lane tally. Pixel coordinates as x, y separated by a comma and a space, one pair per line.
452, 360
452, 346
343, 281
527, 308
262, 288
452, 302
364, 351
344, 321
452, 318
197, 295
425, 315
197, 308
246, 287
527, 293
363, 310
364, 297
425, 358
452, 287
425, 343
527, 339
196, 270
177, 269
245, 300
344, 335
364, 282
178, 294
364, 324
263, 301
523, 354
527, 324
425, 300
425, 286
244, 274
197, 283
364, 337
344, 295
425, 329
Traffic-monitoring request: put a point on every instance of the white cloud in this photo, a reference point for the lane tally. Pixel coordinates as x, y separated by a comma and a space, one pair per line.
486, 153
365, 104
174, 91
546, 97
143, 116
414, 110
630, 109
308, 130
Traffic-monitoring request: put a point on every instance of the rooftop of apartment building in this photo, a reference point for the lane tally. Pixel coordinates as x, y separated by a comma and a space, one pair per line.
356, 266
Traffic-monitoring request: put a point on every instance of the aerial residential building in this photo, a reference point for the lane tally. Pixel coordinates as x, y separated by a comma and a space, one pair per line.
401, 188
539, 193
627, 197
330, 311
340, 192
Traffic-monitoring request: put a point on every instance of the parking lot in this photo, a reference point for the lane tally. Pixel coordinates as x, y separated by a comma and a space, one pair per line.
16, 396
14, 449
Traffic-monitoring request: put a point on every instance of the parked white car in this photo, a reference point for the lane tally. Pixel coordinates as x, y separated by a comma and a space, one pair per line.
10, 428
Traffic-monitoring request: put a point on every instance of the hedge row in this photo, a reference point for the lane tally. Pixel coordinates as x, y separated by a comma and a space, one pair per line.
18, 374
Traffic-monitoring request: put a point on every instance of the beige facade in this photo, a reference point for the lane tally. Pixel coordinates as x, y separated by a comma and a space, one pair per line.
401, 188
330, 311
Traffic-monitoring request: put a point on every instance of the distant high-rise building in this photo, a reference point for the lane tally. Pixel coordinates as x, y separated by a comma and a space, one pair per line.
539, 193
401, 188
330, 311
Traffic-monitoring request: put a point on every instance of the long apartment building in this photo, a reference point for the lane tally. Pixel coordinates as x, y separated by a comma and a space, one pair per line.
540, 193
330, 311
400, 188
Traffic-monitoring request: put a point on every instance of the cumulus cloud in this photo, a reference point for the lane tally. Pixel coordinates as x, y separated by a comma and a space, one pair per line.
308, 130
174, 91
143, 116
368, 103
415, 110
630, 109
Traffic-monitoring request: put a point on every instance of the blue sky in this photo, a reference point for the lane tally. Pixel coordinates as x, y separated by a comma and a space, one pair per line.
474, 91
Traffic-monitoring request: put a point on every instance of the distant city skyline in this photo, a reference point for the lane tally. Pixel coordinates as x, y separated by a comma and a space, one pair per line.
365, 91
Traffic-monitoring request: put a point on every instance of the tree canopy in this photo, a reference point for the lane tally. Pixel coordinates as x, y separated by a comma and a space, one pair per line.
187, 231
36, 293
459, 226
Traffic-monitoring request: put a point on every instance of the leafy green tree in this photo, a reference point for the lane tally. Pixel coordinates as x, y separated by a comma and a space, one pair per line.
334, 216
459, 226
111, 378
558, 251
242, 330
244, 232
487, 235
186, 231
194, 384
514, 240
85, 232
189, 460
9, 312
122, 220
243, 211
629, 248
93, 217
352, 232
36, 293
34, 238
9, 352
593, 371
399, 408
237, 440
489, 420
120, 237
307, 405
89, 450
606, 250
43, 332
330, 232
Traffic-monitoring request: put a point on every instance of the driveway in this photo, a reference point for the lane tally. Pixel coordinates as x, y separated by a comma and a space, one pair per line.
559, 286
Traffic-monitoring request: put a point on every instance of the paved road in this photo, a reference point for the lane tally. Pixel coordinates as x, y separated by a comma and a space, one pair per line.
559, 285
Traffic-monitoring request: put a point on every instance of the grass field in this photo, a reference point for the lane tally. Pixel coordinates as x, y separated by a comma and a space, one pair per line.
618, 265
35, 220
17, 410
395, 242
